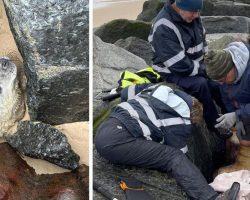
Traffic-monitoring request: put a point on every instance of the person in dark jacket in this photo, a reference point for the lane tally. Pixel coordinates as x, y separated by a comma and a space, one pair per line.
178, 42
150, 130
231, 67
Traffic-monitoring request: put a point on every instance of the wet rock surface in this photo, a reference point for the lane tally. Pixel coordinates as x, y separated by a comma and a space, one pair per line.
59, 94
109, 61
122, 29
138, 47
52, 35
158, 184
150, 9
226, 24
18, 181
39, 140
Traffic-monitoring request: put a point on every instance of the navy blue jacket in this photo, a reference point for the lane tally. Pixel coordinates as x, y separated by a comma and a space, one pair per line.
173, 133
178, 46
236, 97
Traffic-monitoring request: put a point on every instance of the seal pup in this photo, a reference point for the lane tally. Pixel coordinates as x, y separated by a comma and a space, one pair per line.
11, 104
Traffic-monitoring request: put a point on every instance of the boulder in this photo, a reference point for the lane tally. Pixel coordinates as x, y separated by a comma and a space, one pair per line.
138, 47
39, 140
220, 41
226, 24
109, 61
52, 37
225, 8
59, 94
150, 9
122, 29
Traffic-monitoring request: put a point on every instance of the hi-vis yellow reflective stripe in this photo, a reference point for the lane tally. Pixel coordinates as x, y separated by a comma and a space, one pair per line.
129, 78
150, 69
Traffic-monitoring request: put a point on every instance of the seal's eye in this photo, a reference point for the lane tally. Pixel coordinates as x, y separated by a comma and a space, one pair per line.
4, 64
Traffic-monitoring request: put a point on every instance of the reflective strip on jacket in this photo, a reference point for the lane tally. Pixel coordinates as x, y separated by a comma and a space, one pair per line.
178, 46
146, 115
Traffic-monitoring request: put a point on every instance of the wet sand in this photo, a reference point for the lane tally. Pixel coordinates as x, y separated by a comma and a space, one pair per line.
115, 9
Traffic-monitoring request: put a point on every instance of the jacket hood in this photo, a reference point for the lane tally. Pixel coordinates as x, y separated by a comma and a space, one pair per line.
167, 96
240, 56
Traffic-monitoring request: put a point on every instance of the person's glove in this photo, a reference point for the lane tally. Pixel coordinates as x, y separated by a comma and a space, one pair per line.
240, 129
226, 121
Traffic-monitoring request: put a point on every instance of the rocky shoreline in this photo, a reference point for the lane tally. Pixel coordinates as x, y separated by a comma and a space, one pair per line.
122, 44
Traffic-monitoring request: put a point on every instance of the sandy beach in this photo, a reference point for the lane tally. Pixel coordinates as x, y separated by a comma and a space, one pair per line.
105, 11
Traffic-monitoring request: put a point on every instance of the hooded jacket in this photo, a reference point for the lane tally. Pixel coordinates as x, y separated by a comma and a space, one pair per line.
178, 46
236, 96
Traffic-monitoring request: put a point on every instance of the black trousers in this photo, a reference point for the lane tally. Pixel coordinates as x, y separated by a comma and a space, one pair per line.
116, 144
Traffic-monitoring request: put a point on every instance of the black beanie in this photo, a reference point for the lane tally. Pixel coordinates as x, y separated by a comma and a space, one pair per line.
189, 5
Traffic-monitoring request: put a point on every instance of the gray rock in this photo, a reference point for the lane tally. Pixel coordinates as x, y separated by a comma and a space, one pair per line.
122, 29
226, 24
53, 34
150, 9
59, 94
158, 184
212, 38
225, 8
39, 140
109, 61
211, 7
139, 47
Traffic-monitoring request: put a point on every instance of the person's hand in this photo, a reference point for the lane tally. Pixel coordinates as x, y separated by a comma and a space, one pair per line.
226, 121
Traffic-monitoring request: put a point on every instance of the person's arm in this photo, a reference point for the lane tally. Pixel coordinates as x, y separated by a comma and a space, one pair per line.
132, 90
170, 51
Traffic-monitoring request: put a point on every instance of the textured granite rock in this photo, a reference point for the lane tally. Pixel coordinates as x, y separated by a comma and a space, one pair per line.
39, 140
225, 8
53, 34
109, 61
122, 29
11, 101
19, 181
210, 7
138, 47
59, 94
150, 9
226, 24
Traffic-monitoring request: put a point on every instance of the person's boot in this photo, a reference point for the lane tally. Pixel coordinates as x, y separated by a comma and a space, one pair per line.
230, 194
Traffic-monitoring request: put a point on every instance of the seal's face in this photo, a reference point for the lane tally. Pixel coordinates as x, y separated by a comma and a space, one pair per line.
8, 73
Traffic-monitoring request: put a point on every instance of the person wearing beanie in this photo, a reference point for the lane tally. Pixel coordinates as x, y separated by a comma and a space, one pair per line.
178, 42
231, 68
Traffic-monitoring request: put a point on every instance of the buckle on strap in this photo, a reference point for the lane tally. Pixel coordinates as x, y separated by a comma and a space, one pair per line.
124, 187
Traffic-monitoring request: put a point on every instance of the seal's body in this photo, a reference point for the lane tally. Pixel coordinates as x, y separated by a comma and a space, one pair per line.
11, 103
